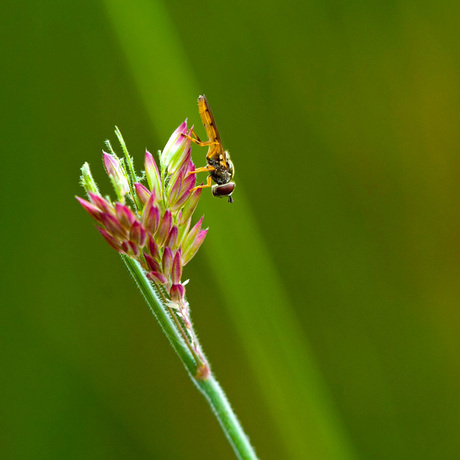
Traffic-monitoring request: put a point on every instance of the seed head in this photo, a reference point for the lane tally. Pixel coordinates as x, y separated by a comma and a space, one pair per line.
151, 222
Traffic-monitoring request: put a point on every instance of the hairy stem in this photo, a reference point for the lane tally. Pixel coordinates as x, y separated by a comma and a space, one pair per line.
207, 385
159, 310
233, 430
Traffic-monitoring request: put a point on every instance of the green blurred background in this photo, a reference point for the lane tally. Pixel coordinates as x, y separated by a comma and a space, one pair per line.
333, 324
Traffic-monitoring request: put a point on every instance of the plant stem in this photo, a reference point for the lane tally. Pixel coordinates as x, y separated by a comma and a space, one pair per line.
184, 336
220, 405
208, 386
159, 311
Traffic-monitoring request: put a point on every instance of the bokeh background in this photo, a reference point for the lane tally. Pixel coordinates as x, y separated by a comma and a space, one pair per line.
326, 296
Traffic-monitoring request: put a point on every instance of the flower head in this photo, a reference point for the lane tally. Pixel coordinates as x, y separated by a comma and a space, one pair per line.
151, 222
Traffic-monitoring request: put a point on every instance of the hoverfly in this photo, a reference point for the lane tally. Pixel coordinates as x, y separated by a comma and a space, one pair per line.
219, 166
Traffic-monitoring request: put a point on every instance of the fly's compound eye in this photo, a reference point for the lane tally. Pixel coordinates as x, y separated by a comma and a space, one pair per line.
224, 190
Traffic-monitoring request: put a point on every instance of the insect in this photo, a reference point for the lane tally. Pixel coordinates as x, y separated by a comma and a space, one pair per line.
219, 166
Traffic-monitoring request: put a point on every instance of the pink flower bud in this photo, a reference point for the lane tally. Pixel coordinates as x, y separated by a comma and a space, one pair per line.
116, 172
113, 226
157, 277
125, 216
153, 175
152, 263
175, 188
183, 230
164, 228
189, 239
151, 218
176, 270
171, 240
177, 293
92, 210
100, 202
110, 239
175, 149
190, 205
187, 185
142, 192
153, 248
138, 235
193, 248
167, 261
132, 249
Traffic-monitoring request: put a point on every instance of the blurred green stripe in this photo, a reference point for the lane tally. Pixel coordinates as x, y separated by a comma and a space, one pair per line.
276, 347
143, 30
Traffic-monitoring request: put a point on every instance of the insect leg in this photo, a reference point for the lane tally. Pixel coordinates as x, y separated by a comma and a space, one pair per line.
208, 184
193, 136
206, 168
199, 142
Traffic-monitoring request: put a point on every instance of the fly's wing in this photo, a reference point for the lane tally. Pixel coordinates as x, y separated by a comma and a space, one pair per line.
215, 151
